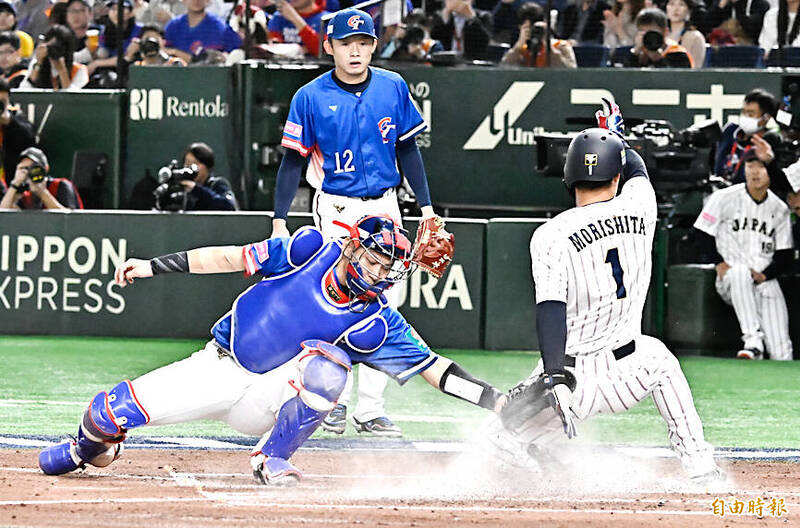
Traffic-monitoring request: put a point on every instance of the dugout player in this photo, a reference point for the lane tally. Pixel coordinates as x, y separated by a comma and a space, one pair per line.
591, 269
354, 125
746, 231
279, 358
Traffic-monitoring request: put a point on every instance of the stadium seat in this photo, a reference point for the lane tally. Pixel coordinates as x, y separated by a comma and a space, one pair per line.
737, 57
495, 52
786, 57
621, 56
591, 56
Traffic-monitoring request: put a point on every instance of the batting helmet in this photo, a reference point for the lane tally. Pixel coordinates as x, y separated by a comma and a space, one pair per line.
385, 242
594, 155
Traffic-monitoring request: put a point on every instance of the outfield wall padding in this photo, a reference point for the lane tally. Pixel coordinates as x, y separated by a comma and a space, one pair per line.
56, 276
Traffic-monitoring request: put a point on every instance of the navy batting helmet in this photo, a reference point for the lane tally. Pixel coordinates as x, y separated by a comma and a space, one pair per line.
594, 155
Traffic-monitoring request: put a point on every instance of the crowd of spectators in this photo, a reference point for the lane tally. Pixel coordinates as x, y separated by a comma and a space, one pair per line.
635, 33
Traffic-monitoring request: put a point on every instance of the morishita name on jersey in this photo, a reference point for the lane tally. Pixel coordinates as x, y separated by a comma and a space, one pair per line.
753, 224
615, 225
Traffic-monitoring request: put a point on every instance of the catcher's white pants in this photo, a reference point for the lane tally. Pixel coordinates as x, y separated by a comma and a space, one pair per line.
760, 309
327, 208
207, 386
608, 385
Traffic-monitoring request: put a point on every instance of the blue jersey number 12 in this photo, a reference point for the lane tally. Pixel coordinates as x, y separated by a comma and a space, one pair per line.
612, 257
347, 157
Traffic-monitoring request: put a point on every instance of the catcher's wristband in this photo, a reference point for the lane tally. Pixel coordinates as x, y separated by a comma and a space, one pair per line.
172, 263
459, 383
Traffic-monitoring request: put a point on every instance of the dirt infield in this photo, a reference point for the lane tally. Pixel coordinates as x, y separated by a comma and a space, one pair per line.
191, 488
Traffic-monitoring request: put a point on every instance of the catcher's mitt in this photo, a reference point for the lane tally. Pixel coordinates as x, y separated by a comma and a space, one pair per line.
434, 247
531, 397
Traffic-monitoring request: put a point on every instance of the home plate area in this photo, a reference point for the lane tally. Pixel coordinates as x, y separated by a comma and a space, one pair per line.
401, 484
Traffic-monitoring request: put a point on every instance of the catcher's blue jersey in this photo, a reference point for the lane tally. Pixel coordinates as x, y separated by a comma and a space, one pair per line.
351, 138
299, 301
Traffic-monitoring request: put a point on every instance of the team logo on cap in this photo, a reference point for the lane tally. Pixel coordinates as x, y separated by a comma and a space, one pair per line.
355, 21
385, 126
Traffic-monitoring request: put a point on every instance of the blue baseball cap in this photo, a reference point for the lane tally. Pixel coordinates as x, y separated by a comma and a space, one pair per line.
351, 22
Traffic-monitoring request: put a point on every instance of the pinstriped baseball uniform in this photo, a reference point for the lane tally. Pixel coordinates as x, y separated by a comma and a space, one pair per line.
747, 234
597, 259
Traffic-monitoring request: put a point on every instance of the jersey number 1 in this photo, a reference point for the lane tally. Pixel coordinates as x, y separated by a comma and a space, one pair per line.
612, 257
347, 157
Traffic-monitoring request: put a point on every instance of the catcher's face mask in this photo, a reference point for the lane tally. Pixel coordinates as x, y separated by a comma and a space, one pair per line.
380, 256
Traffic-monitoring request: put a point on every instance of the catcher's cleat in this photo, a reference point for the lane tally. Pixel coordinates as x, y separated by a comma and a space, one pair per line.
274, 471
336, 420
69, 456
381, 426
750, 353
60, 459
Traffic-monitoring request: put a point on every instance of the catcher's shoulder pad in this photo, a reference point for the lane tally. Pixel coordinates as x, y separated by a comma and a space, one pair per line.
303, 245
368, 336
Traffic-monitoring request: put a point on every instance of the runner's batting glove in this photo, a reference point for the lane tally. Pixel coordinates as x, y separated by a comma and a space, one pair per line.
610, 117
559, 395
434, 247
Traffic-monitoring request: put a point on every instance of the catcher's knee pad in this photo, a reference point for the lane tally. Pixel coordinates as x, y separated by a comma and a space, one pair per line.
111, 414
323, 374
303, 245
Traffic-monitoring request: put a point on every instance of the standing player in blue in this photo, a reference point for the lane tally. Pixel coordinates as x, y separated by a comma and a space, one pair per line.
279, 358
354, 125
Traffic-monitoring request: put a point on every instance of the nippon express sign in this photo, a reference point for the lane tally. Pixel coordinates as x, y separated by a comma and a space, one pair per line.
153, 104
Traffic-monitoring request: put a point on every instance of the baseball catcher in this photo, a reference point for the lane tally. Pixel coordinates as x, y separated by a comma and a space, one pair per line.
279, 359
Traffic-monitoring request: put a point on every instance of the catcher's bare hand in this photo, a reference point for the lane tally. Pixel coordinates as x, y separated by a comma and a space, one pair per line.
433, 247
132, 269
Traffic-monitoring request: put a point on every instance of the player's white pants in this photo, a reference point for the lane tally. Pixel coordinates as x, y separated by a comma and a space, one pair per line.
209, 386
608, 385
327, 208
760, 309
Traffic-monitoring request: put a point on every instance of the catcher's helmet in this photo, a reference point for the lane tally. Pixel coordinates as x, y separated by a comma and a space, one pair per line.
594, 155
377, 236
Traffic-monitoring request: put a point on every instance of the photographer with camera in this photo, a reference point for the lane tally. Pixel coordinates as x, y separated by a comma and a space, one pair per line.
530, 48
16, 134
194, 187
653, 48
148, 49
33, 187
53, 65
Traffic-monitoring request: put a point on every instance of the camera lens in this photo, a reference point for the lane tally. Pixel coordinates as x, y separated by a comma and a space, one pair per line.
653, 40
150, 46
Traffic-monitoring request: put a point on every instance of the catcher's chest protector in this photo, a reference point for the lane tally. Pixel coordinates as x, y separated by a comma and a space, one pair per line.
272, 318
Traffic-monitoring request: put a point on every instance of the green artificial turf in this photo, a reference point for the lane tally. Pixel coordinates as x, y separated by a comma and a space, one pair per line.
742, 404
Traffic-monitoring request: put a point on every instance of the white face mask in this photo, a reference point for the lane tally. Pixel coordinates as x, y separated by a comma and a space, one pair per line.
749, 125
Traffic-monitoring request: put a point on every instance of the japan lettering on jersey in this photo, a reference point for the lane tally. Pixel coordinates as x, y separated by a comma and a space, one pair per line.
352, 139
745, 231
597, 260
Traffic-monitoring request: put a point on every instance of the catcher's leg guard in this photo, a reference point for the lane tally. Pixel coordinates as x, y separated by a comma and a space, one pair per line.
100, 434
323, 373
